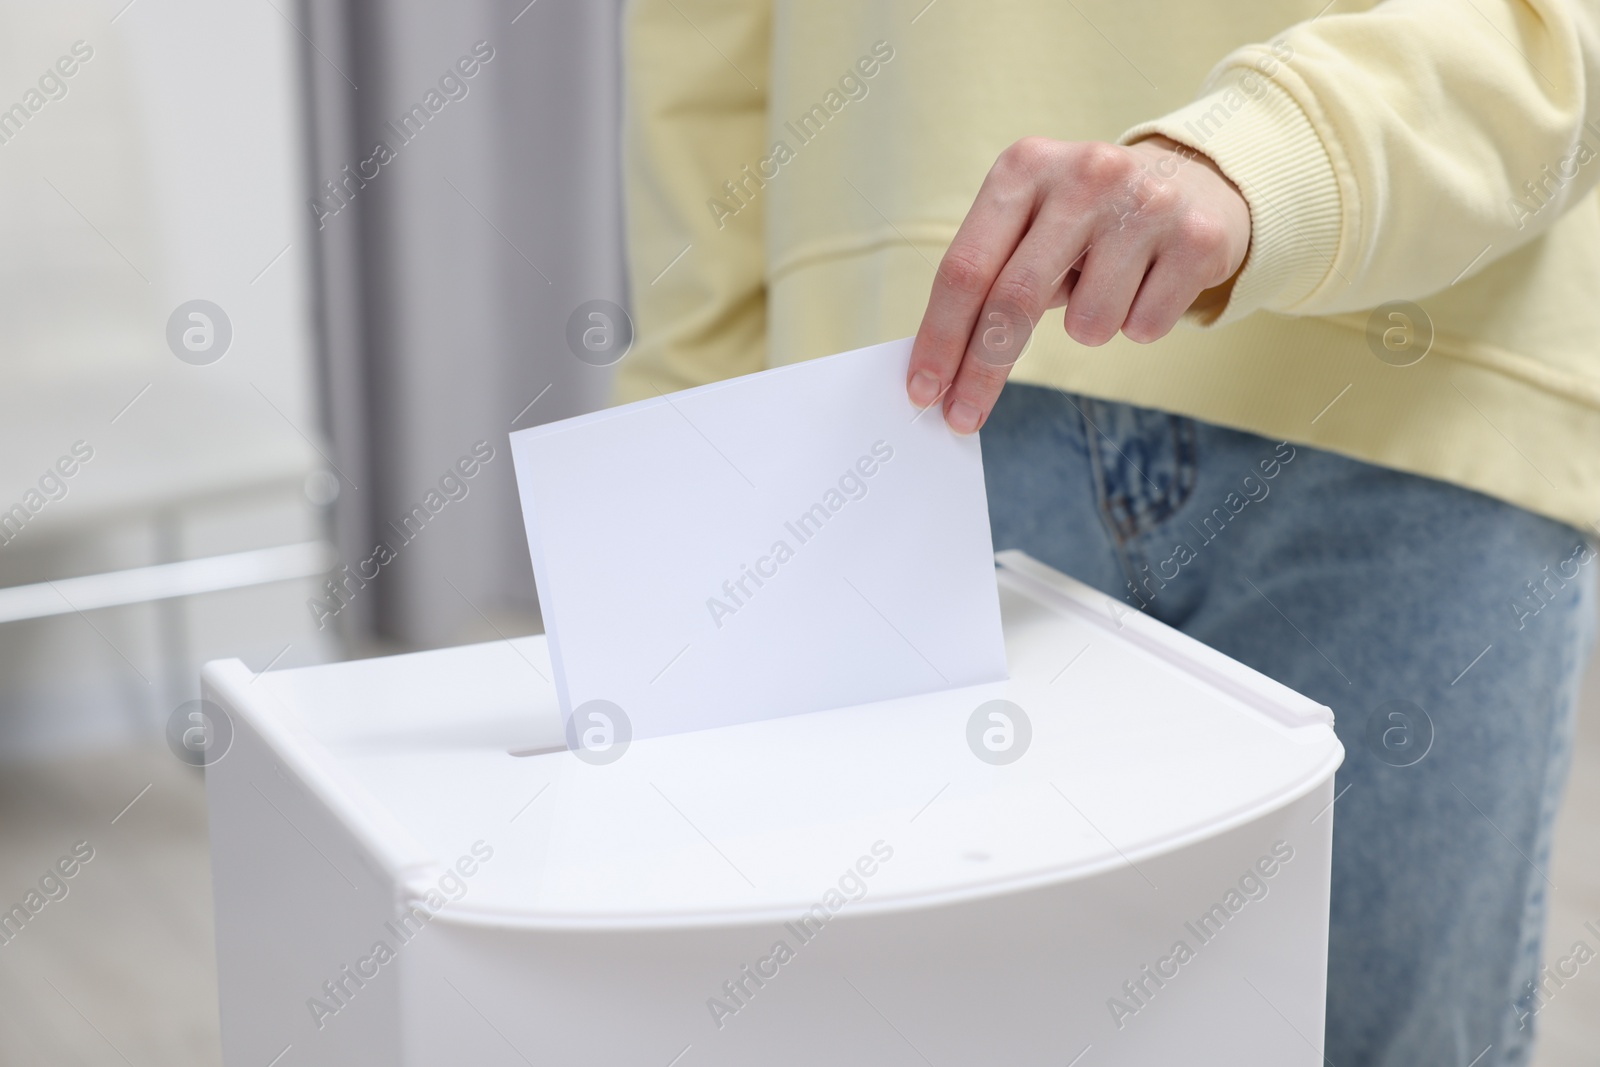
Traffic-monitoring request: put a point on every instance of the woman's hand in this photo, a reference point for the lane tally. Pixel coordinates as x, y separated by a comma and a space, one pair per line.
1127, 238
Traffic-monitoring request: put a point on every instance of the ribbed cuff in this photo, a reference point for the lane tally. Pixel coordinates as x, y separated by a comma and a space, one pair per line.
1262, 140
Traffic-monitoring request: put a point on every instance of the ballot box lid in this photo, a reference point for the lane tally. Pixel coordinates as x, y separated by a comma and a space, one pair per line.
1134, 741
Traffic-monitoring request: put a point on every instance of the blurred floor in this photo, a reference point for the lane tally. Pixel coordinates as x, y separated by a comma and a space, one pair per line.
121, 970
1569, 1024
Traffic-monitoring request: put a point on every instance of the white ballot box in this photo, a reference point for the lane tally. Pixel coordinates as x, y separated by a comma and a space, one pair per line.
1118, 856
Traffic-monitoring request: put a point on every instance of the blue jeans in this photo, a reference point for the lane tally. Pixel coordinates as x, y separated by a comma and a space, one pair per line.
1446, 630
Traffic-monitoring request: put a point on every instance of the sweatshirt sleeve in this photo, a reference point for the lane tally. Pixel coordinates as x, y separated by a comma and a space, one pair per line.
694, 113
1389, 153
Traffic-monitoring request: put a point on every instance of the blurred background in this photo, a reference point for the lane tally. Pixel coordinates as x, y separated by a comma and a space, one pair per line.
240, 344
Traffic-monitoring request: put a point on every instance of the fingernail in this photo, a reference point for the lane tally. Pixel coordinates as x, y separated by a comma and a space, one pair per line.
924, 389
963, 417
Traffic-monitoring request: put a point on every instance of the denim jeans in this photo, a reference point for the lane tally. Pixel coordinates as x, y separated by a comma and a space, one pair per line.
1446, 630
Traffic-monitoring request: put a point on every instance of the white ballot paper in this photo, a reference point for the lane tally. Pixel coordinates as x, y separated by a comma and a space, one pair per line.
794, 540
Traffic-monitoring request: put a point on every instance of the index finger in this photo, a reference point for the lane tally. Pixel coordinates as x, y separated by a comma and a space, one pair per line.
988, 235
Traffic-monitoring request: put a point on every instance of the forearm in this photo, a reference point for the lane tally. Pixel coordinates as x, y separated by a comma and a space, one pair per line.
1386, 153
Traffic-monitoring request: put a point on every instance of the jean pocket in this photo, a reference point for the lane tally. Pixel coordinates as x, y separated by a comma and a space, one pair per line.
1145, 462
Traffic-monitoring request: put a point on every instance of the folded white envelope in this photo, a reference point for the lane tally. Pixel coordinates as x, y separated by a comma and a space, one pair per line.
789, 541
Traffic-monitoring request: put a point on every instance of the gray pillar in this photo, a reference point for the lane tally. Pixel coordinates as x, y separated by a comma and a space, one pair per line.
446, 298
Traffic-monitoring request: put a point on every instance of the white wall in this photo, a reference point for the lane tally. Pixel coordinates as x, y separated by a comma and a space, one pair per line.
170, 170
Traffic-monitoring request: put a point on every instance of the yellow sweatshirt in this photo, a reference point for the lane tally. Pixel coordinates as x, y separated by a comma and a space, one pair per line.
796, 168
